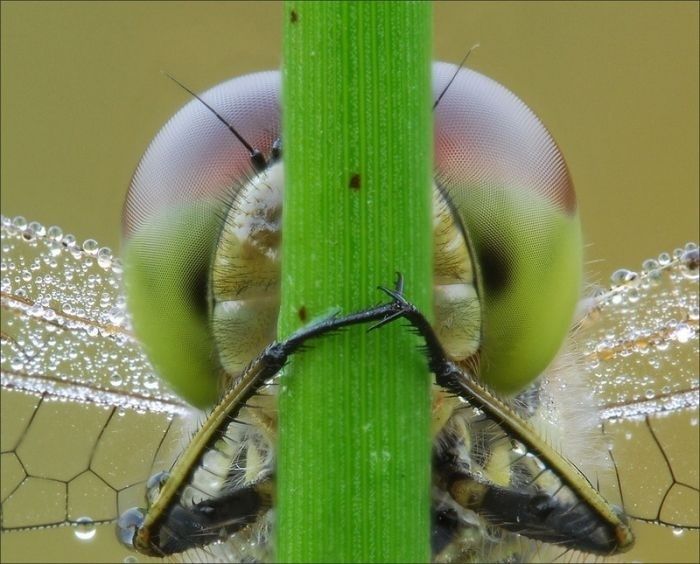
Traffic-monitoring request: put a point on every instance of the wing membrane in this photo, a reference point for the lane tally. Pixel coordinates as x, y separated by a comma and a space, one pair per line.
640, 350
639, 338
84, 419
65, 331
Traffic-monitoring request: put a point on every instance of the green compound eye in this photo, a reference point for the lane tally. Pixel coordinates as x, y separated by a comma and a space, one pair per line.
201, 232
510, 188
173, 215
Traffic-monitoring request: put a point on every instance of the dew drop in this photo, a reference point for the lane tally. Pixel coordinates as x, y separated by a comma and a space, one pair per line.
150, 383
69, 241
17, 363
54, 232
115, 316
54, 249
690, 264
654, 277
650, 265
684, 333
104, 257
623, 276
90, 246
641, 346
20, 223
678, 532
38, 229
85, 528
29, 235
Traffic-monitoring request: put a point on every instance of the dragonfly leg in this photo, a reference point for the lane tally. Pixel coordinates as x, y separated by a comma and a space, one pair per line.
275, 356
572, 515
446, 372
169, 526
214, 519
532, 512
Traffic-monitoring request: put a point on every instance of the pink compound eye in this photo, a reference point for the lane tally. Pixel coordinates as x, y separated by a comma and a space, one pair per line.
509, 185
172, 220
194, 157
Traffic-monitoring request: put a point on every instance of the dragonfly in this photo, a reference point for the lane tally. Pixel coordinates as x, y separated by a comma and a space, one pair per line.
66, 319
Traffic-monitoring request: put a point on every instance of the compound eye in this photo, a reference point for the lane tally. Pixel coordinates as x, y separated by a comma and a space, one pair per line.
507, 181
128, 525
172, 220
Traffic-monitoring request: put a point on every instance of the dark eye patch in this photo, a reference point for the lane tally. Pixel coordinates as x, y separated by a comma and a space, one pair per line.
495, 268
197, 288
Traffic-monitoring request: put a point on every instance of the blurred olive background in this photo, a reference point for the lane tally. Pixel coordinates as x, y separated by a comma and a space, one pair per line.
616, 83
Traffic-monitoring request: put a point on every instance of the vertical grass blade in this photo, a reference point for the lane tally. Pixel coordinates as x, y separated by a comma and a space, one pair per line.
354, 447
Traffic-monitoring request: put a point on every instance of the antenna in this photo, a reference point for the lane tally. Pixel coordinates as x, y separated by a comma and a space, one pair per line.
459, 68
256, 157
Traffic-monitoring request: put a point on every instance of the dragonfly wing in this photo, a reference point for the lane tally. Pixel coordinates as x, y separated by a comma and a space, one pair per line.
84, 419
640, 350
65, 331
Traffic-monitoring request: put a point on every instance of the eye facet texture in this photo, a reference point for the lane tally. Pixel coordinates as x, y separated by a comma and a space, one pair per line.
510, 186
172, 216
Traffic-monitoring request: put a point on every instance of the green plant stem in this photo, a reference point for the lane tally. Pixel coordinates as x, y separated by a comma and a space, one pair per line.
353, 466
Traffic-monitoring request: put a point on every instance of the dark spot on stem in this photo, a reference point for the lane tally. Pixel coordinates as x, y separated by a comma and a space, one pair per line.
355, 182
302, 313
293, 16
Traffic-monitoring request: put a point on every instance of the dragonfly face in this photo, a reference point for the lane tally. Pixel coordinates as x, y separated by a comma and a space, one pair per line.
488, 455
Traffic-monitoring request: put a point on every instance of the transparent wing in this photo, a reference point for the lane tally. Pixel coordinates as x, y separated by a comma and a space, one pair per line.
64, 321
639, 341
83, 417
